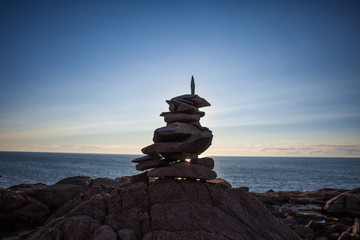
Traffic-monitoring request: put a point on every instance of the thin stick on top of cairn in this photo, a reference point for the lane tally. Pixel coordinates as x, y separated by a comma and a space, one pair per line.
176, 147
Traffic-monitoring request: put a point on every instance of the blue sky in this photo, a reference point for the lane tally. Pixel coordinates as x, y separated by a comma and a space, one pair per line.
283, 77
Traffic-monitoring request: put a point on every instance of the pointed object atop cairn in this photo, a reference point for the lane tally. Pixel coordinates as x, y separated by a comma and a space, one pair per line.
176, 147
192, 85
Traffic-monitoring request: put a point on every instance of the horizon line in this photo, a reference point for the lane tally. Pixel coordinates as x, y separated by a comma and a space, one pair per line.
354, 157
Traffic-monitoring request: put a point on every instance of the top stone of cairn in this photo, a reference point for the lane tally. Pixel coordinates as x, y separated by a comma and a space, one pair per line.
176, 147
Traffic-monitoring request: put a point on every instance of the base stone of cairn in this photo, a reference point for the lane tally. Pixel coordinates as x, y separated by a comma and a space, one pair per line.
176, 147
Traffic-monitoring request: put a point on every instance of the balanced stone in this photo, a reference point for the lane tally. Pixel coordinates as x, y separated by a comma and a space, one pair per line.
181, 117
176, 131
178, 156
146, 158
205, 162
201, 114
183, 170
195, 144
195, 99
151, 164
182, 107
176, 146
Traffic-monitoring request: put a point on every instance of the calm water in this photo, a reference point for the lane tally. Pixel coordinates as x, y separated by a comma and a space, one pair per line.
258, 173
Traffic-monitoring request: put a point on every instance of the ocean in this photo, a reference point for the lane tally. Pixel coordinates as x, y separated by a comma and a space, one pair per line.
260, 174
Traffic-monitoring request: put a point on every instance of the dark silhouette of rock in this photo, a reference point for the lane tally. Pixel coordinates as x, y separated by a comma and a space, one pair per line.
183, 138
147, 158
198, 102
179, 156
27, 206
151, 164
183, 170
19, 211
104, 233
110, 201
176, 131
205, 162
57, 195
315, 204
166, 209
181, 117
192, 85
195, 144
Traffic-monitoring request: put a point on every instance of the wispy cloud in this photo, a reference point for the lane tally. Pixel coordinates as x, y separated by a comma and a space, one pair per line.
73, 148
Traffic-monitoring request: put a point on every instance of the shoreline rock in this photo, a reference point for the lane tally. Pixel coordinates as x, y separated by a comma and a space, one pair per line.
132, 208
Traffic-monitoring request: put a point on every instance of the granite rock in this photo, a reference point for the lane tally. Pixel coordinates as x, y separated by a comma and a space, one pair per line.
183, 170
168, 209
345, 203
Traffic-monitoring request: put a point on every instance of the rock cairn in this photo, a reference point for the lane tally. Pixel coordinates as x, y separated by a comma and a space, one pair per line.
177, 146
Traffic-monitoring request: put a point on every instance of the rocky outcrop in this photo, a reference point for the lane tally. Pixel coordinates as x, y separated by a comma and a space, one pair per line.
164, 209
26, 206
133, 208
176, 147
347, 203
326, 214
320, 196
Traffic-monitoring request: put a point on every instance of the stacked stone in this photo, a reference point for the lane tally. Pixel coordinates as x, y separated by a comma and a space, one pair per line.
176, 147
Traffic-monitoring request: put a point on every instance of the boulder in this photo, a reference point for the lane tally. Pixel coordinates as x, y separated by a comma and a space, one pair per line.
183, 170
63, 191
19, 211
356, 227
104, 233
345, 203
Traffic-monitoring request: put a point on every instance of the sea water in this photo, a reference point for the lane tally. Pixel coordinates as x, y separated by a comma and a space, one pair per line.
258, 173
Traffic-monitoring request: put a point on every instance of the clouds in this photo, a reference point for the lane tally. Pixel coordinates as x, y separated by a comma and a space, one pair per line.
97, 74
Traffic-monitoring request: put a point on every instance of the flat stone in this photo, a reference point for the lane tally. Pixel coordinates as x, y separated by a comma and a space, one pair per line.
181, 117
195, 144
183, 170
178, 156
201, 114
205, 162
151, 164
176, 131
146, 158
181, 107
199, 102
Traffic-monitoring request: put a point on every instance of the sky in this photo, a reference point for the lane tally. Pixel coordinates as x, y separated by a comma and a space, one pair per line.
283, 77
